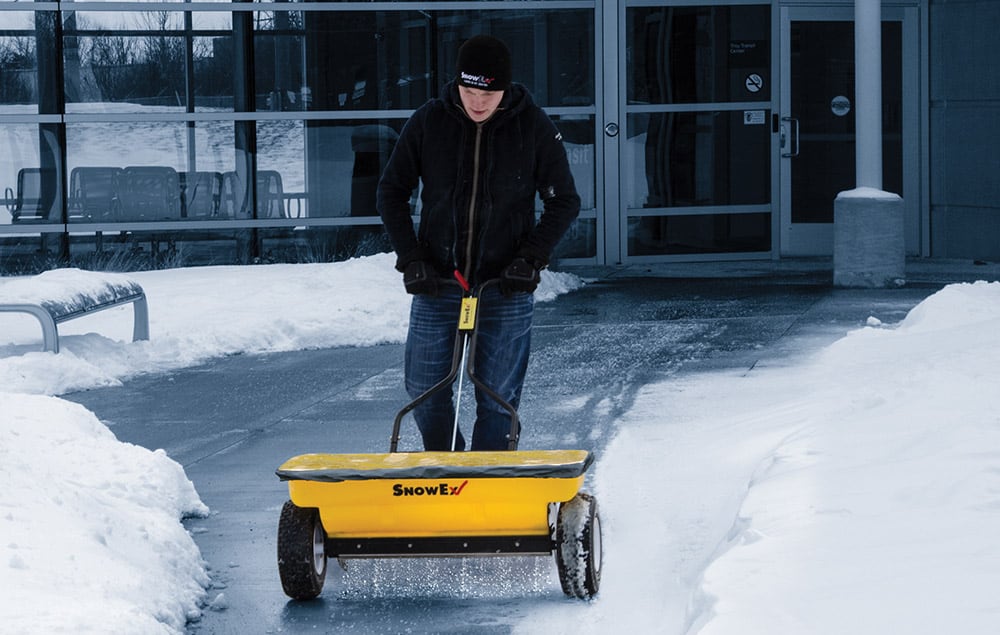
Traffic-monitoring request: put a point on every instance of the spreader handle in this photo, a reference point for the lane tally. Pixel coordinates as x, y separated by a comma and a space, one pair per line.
457, 356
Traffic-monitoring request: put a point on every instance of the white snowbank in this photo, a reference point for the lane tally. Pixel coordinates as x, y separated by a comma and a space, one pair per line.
202, 312
858, 492
879, 511
92, 539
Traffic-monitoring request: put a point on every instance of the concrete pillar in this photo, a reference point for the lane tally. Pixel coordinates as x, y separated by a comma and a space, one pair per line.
868, 92
869, 249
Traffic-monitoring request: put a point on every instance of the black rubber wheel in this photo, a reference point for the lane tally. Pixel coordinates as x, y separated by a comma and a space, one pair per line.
578, 546
301, 552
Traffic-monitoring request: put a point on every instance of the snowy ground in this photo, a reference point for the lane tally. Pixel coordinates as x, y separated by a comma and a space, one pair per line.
856, 491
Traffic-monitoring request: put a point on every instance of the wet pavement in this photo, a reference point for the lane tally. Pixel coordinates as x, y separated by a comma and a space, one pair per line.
232, 421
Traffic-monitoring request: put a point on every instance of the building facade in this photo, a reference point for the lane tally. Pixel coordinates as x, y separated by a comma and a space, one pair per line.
142, 134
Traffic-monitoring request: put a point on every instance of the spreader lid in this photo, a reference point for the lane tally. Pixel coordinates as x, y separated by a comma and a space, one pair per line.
428, 465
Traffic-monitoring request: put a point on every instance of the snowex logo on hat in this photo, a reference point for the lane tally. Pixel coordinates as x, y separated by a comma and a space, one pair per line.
475, 81
484, 63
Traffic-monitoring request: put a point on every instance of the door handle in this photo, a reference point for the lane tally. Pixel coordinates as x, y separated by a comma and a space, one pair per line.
790, 138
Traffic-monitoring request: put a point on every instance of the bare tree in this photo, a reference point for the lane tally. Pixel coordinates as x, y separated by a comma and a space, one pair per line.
162, 54
18, 69
112, 58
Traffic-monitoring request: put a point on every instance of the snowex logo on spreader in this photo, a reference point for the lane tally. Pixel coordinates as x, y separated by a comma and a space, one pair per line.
440, 489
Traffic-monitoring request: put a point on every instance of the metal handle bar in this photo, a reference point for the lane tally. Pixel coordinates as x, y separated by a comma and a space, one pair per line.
456, 361
794, 124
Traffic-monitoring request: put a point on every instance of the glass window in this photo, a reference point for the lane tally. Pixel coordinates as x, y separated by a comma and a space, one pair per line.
129, 80
139, 250
149, 171
326, 168
682, 159
29, 174
25, 254
279, 60
680, 55
21, 175
698, 234
322, 244
319, 60
20, 32
148, 62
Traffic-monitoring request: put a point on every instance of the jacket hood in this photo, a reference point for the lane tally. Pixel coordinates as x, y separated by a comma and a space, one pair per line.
515, 99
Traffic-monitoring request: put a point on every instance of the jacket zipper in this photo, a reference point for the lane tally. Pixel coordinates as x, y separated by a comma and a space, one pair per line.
472, 204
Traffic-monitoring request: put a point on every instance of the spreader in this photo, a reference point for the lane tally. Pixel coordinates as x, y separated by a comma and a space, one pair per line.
440, 504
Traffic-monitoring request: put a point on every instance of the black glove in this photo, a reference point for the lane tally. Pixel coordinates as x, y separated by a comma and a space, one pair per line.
420, 278
520, 276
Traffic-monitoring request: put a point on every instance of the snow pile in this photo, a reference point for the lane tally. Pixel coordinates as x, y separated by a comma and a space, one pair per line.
91, 535
203, 312
856, 493
879, 511
555, 283
71, 288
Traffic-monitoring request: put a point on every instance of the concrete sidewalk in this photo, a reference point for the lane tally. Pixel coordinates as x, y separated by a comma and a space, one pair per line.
919, 271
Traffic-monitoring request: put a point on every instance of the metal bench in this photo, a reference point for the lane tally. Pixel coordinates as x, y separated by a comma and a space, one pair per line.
73, 293
30, 203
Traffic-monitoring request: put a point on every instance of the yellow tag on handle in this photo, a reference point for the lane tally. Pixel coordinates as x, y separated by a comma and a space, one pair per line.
467, 316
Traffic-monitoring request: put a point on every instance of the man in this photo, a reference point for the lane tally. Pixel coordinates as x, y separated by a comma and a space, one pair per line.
481, 151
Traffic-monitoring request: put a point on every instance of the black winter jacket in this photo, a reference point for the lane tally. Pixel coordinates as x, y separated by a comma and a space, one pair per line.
518, 152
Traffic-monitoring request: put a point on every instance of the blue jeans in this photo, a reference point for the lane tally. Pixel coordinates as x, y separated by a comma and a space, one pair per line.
503, 342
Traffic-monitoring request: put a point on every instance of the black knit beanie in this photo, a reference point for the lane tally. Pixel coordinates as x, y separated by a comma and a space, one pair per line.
484, 63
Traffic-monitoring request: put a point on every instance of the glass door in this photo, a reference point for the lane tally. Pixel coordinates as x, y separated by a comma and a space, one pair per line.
817, 125
692, 133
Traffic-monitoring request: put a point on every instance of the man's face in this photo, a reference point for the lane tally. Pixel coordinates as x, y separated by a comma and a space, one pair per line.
479, 104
